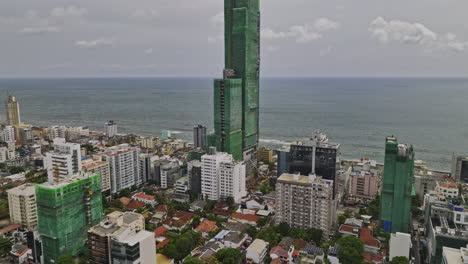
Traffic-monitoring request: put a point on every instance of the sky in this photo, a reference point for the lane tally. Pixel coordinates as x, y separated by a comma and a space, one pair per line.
59, 38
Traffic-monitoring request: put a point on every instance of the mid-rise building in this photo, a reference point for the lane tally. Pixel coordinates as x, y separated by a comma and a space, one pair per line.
363, 184
257, 251
400, 245
236, 95
194, 172
144, 167
66, 210
57, 132
222, 176
9, 134
133, 247
102, 236
447, 188
305, 202
22, 206
395, 202
199, 136
168, 174
111, 128
460, 168
425, 179
455, 255
95, 166
265, 155
64, 160
124, 166
316, 155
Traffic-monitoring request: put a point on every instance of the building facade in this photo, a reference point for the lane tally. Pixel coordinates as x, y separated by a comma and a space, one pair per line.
395, 202
64, 160
9, 134
111, 128
236, 95
222, 176
12, 111
194, 172
305, 202
92, 166
460, 168
199, 137
22, 205
363, 184
65, 211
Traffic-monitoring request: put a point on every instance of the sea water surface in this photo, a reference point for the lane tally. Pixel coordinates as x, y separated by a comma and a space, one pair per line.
358, 113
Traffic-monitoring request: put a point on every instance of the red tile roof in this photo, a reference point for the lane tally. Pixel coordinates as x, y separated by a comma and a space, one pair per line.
207, 226
160, 231
162, 243
371, 257
366, 237
144, 196
10, 228
282, 253
248, 217
162, 208
125, 200
221, 212
134, 205
349, 229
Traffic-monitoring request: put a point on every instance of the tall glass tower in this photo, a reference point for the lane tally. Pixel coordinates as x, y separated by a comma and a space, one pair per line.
236, 95
398, 180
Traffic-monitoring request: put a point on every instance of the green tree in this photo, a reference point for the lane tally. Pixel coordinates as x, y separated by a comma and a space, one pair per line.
374, 207
125, 193
15, 169
117, 203
283, 229
262, 221
4, 211
5, 246
399, 260
230, 202
252, 232
196, 221
229, 256
351, 249
270, 235
191, 260
65, 260
341, 219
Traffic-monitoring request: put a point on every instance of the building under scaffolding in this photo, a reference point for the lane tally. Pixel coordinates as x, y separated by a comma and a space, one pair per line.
66, 209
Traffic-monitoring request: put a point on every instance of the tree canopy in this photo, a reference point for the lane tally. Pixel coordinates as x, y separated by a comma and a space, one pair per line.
399, 260
351, 249
229, 256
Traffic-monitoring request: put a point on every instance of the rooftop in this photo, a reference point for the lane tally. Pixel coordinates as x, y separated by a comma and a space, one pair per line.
25, 189
258, 246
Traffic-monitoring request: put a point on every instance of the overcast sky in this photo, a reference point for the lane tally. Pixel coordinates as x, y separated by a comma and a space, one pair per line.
184, 38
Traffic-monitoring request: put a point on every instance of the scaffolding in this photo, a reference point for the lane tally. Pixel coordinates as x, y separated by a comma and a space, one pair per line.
65, 211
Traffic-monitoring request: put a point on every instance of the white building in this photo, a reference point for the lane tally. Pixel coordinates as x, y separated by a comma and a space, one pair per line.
111, 128
257, 251
449, 189
65, 159
455, 255
222, 177
400, 245
126, 244
305, 202
9, 134
124, 166
56, 132
92, 167
22, 205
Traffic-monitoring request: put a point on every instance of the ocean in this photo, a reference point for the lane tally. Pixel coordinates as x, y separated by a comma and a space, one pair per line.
358, 113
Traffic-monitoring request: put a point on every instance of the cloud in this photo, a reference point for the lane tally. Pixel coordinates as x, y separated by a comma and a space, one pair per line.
144, 14
69, 11
90, 44
148, 51
325, 51
302, 33
414, 33
39, 30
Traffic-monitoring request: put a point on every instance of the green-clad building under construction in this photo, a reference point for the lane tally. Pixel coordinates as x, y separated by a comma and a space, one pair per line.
66, 209
236, 96
398, 179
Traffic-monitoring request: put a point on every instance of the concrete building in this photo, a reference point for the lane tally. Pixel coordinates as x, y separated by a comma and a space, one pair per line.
265, 155
9, 134
199, 137
13, 117
460, 168
257, 251
447, 188
124, 166
57, 132
64, 160
363, 184
22, 205
165, 134
316, 155
144, 167
425, 179
65, 211
168, 174
111, 128
455, 255
104, 237
395, 201
222, 176
94, 166
133, 247
400, 245
194, 173
75, 133
305, 202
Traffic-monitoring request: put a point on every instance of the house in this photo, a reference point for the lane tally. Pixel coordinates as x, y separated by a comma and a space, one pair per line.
9, 230
145, 198
208, 250
197, 205
371, 245
255, 203
284, 256
354, 222
134, 205
160, 214
287, 242
231, 239
311, 254
256, 252
179, 220
125, 200
373, 258
19, 254
332, 255
160, 232
205, 227
249, 219
348, 230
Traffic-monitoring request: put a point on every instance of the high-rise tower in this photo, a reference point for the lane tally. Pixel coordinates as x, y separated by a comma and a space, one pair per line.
12, 111
398, 179
236, 96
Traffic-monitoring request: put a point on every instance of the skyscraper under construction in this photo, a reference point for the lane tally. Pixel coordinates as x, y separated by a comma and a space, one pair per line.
398, 179
236, 95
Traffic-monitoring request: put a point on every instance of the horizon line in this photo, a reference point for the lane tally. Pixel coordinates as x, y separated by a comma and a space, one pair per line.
264, 77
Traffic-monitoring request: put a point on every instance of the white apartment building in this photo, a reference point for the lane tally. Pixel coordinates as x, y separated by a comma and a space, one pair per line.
64, 159
22, 205
124, 166
305, 202
124, 245
400, 245
93, 166
111, 128
9, 134
56, 132
222, 176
